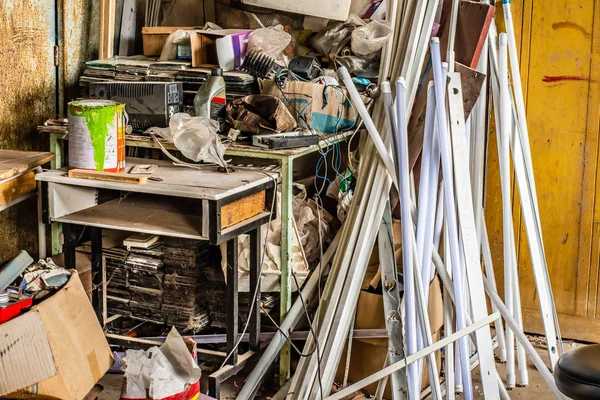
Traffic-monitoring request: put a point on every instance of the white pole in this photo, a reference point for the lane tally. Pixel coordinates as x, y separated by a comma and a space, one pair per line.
522, 374
504, 157
409, 279
369, 124
446, 153
489, 272
448, 321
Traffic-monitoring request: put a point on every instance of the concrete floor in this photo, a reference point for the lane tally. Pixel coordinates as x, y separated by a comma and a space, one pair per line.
537, 388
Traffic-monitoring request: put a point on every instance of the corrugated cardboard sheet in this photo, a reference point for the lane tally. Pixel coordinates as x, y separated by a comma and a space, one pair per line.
25, 355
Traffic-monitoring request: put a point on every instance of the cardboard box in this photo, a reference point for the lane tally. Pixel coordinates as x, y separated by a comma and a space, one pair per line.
57, 349
319, 103
155, 37
368, 355
224, 48
84, 269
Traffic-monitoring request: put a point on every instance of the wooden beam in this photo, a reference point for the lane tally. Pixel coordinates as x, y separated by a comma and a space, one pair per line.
107, 29
108, 176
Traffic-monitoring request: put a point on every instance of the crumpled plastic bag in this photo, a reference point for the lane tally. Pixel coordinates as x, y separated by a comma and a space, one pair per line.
270, 41
169, 50
370, 38
195, 137
162, 371
329, 39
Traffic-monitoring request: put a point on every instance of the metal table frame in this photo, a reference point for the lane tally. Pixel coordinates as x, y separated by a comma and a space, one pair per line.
286, 160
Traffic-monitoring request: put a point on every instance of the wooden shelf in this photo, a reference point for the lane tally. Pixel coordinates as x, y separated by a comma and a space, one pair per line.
144, 215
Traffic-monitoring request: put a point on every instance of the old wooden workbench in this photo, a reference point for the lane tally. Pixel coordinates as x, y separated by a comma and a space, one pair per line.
205, 205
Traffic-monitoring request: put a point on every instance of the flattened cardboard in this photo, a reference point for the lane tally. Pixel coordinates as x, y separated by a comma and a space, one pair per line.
25, 354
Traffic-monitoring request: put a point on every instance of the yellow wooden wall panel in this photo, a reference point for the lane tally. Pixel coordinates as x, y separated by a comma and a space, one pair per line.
593, 121
557, 119
559, 44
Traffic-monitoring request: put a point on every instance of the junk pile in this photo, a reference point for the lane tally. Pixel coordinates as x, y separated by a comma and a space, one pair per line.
424, 79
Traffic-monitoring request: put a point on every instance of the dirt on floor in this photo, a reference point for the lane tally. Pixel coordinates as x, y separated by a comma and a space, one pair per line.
537, 388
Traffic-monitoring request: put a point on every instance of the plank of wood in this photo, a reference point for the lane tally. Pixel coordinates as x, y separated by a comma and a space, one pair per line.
242, 209
128, 31
145, 215
107, 29
474, 20
108, 176
13, 189
94, 393
14, 162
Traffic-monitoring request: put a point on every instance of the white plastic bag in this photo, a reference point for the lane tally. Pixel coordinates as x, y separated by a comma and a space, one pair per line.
169, 50
195, 137
370, 38
270, 41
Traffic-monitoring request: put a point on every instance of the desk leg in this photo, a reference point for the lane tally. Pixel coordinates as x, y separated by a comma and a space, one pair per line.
232, 298
287, 177
56, 148
55, 227
69, 247
255, 268
96, 239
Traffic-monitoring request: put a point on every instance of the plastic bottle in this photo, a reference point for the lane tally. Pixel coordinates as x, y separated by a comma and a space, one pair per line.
210, 99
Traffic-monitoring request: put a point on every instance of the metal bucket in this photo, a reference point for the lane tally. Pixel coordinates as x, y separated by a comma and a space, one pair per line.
97, 135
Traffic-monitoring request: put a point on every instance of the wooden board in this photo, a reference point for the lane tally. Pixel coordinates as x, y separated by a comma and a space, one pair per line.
14, 162
242, 209
153, 216
473, 23
108, 176
107, 29
14, 188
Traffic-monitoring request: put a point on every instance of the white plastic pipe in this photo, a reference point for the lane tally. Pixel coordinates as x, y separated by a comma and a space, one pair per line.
522, 374
427, 201
451, 218
401, 143
489, 272
448, 320
369, 124
504, 157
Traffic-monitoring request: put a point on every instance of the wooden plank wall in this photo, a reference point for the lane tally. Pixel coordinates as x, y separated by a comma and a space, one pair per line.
559, 42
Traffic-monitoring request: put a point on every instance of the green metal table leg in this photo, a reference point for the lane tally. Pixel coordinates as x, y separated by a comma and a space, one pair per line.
287, 177
56, 148
56, 228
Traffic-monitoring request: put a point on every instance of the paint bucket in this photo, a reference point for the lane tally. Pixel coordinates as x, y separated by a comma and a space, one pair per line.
97, 135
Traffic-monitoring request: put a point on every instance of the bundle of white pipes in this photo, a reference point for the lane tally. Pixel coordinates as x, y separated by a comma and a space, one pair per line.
452, 213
